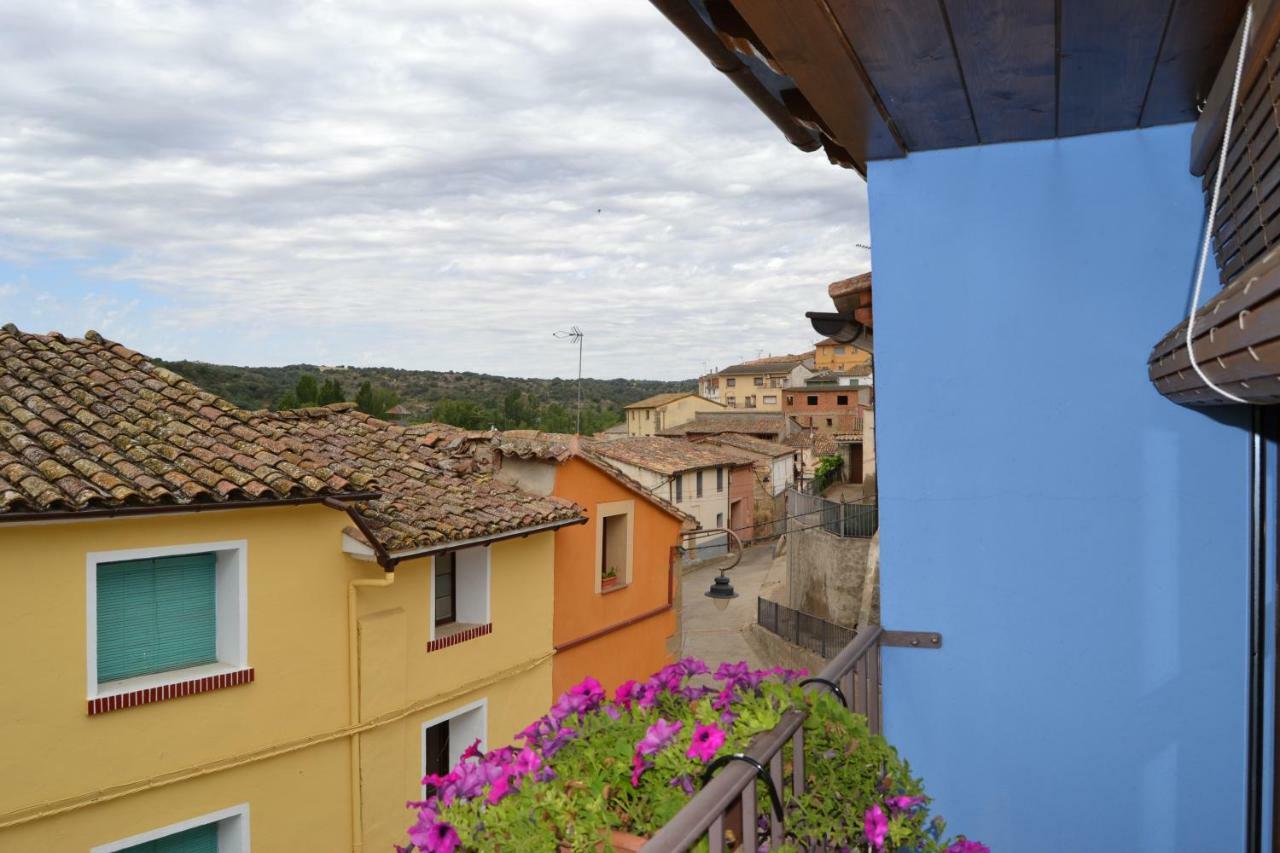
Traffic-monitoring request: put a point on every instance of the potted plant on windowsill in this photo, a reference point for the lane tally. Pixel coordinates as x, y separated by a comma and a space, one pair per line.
599, 774
609, 579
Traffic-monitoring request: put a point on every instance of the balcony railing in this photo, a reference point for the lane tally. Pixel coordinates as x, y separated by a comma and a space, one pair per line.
851, 520
728, 802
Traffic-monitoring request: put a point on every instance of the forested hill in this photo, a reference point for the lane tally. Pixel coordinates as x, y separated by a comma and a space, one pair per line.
471, 400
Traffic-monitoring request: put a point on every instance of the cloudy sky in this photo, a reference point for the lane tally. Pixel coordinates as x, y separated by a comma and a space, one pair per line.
434, 184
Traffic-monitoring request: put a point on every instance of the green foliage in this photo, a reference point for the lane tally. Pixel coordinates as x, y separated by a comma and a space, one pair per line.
375, 400
461, 413
507, 403
826, 471
307, 391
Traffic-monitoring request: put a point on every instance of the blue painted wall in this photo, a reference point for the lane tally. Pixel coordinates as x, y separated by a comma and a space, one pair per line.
1080, 542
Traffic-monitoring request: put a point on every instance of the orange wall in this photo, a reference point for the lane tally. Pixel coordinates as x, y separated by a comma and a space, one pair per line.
639, 649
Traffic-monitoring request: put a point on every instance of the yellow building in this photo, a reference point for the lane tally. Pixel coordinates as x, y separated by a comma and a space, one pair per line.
758, 384
227, 630
831, 356
663, 411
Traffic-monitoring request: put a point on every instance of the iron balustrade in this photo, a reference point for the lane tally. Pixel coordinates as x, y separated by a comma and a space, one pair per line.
803, 629
848, 520
728, 801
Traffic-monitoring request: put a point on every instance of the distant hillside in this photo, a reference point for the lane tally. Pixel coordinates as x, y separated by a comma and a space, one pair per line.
472, 400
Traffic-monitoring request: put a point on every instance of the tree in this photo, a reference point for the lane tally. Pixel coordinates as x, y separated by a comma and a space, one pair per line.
461, 413
288, 401
555, 418
307, 390
375, 401
330, 392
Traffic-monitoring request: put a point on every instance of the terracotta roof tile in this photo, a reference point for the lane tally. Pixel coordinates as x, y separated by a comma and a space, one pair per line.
434, 490
661, 400
86, 423
714, 423
667, 455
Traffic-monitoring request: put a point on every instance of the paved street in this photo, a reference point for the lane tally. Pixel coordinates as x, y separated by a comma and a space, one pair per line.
715, 635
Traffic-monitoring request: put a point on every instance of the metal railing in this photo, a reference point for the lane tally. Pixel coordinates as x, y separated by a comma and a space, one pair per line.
728, 801
803, 629
850, 520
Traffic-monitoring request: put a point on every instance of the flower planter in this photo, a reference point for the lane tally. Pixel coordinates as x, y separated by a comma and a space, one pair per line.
608, 583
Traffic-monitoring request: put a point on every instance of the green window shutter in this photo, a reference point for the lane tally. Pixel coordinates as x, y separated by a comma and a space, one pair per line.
156, 615
201, 839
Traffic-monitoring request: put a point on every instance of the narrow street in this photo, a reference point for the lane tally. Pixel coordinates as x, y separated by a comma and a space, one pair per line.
717, 636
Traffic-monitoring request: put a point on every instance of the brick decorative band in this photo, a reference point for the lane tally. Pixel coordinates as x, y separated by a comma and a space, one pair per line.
460, 637
103, 704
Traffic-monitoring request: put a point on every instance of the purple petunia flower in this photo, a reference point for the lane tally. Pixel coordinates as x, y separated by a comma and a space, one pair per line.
435, 838
638, 766
625, 693
706, 740
875, 826
472, 751
684, 782
963, 846
658, 736
903, 803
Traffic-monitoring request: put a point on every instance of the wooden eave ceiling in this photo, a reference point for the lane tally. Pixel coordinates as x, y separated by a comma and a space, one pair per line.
877, 79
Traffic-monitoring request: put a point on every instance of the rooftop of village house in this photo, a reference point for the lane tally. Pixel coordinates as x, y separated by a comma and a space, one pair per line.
668, 455
753, 423
660, 400
768, 363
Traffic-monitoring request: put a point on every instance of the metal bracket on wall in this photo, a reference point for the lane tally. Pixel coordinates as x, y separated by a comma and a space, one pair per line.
911, 639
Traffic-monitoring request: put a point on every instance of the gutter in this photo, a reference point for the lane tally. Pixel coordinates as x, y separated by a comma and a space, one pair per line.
686, 19
159, 509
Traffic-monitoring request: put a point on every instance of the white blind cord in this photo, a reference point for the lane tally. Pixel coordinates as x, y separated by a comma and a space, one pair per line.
1213, 209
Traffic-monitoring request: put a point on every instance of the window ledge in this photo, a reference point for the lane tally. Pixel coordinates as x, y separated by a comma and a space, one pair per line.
458, 632
617, 587
162, 686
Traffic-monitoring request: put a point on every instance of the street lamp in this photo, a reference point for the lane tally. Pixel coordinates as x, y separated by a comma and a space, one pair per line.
721, 592
575, 335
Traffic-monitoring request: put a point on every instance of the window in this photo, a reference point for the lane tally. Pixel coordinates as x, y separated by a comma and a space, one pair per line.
732, 401
719, 519
698, 483
678, 479
719, 479
790, 400
839, 350
731, 383
446, 589
812, 399
751, 401
842, 399
163, 615
615, 531
828, 421
225, 831
459, 595
770, 399
759, 381
445, 738
646, 414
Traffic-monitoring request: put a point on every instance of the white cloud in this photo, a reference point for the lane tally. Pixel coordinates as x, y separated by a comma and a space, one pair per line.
431, 184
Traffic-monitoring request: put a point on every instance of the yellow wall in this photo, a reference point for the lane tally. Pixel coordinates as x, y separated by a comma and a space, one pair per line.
826, 358
672, 414
633, 652
745, 386
289, 730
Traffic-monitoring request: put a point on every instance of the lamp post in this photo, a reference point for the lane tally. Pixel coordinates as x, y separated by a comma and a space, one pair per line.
721, 592
575, 335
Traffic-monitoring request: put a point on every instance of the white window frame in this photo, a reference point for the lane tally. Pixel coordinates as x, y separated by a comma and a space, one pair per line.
233, 831
468, 608
456, 745
610, 509
232, 591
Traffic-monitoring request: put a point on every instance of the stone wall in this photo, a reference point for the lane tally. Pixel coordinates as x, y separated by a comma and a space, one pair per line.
826, 574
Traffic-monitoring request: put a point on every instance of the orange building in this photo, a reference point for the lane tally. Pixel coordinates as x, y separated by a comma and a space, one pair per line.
616, 611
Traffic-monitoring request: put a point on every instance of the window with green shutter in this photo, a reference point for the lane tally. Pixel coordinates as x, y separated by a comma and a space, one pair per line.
156, 615
200, 839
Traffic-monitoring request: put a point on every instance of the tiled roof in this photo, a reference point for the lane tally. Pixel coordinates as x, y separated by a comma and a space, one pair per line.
714, 423
661, 400
556, 447
753, 445
87, 424
771, 364
434, 491
667, 455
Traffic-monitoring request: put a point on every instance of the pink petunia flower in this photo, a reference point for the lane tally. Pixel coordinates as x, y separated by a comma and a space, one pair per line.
875, 826
903, 803
472, 751
499, 790
963, 846
658, 736
527, 762
706, 740
436, 838
638, 766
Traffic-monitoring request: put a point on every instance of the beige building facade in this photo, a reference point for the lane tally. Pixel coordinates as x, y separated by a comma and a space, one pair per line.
664, 411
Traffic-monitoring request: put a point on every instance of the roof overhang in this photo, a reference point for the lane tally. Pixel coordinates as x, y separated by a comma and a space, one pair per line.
871, 81
361, 550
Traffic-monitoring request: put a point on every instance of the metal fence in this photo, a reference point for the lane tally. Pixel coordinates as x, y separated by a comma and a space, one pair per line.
857, 520
803, 629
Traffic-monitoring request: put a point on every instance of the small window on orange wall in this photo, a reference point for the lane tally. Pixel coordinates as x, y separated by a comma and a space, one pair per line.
614, 532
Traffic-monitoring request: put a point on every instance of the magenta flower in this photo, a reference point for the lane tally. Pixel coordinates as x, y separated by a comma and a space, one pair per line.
706, 740
903, 803
963, 846
730, 671
684, 782
638, 766
435, 838
625, 693
472, 751
499, 789
527, 762
875, 826
658, 736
